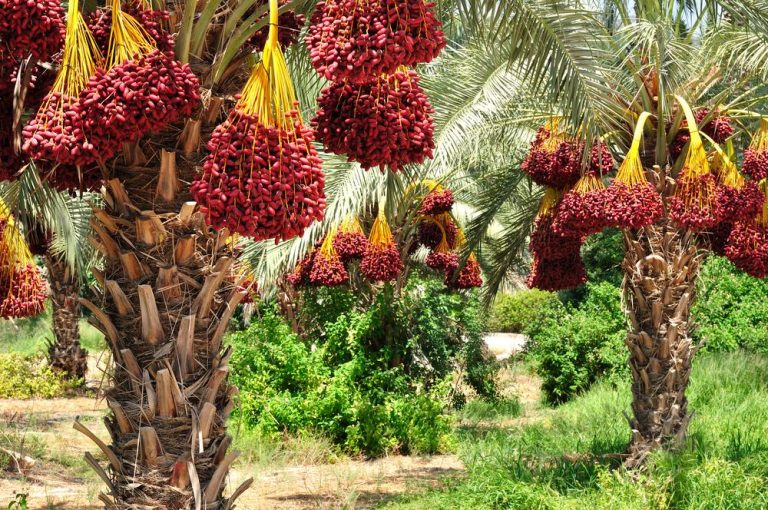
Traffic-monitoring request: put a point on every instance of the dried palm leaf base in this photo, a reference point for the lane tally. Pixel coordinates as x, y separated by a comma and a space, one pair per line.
66, 355
660, 266
167, 296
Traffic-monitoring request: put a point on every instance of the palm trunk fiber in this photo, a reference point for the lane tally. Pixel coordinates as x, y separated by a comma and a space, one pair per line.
167, 297
65, 354
660, 267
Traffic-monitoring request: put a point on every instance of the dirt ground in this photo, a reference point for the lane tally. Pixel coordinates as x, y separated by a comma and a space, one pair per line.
60, 479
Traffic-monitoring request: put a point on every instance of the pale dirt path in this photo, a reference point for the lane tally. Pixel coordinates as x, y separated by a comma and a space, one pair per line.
505, 345
347, 484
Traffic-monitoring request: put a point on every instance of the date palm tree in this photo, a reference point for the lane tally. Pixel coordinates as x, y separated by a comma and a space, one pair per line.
167, 287
168, 291
59, 225
598, 66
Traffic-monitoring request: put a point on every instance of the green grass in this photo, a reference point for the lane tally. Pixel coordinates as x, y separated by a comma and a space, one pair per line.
563, 460
31, 336
481, 410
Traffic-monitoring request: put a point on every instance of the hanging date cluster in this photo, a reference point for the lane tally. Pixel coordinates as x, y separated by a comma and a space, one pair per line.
467, 277
374, 111
31, 27
573, 206
756, 155
438, 232
555, 275
385, 123
350, 241
139, 96
263, 177
742, 234
437, 201
327, 267
555, 159
738, 199
23, 292
58, 131
442, 260
718, 127
263, 182
632, 206
142, 88
557, 263
432, 230
300, 274
747, 246
631, 201
381, 261
582, 210
22, 288
153, 21
356, 40
694, 204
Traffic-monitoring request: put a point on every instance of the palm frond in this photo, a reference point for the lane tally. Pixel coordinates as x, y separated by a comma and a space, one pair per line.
504, 253
738, 50
656, 45
472, 90
66, 218
563, 52
746, 13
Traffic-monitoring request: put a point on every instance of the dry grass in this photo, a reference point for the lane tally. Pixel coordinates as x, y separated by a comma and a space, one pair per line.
60, 479
298, 473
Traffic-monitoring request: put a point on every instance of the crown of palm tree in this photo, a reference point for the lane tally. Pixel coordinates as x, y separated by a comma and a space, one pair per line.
511, 65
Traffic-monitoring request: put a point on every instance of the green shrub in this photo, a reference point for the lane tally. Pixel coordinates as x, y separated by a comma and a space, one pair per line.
429, 330
338, 388
731, 308
273, 369
512, 313
28, 377
444, 328
368, 371
603, 254
571, 349
319, 306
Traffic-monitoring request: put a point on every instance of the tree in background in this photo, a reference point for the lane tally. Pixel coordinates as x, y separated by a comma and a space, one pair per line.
56, 227
65, 354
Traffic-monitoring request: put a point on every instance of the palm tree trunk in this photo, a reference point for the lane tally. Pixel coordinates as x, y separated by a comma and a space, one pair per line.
660, 266
65, 354
167, 300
